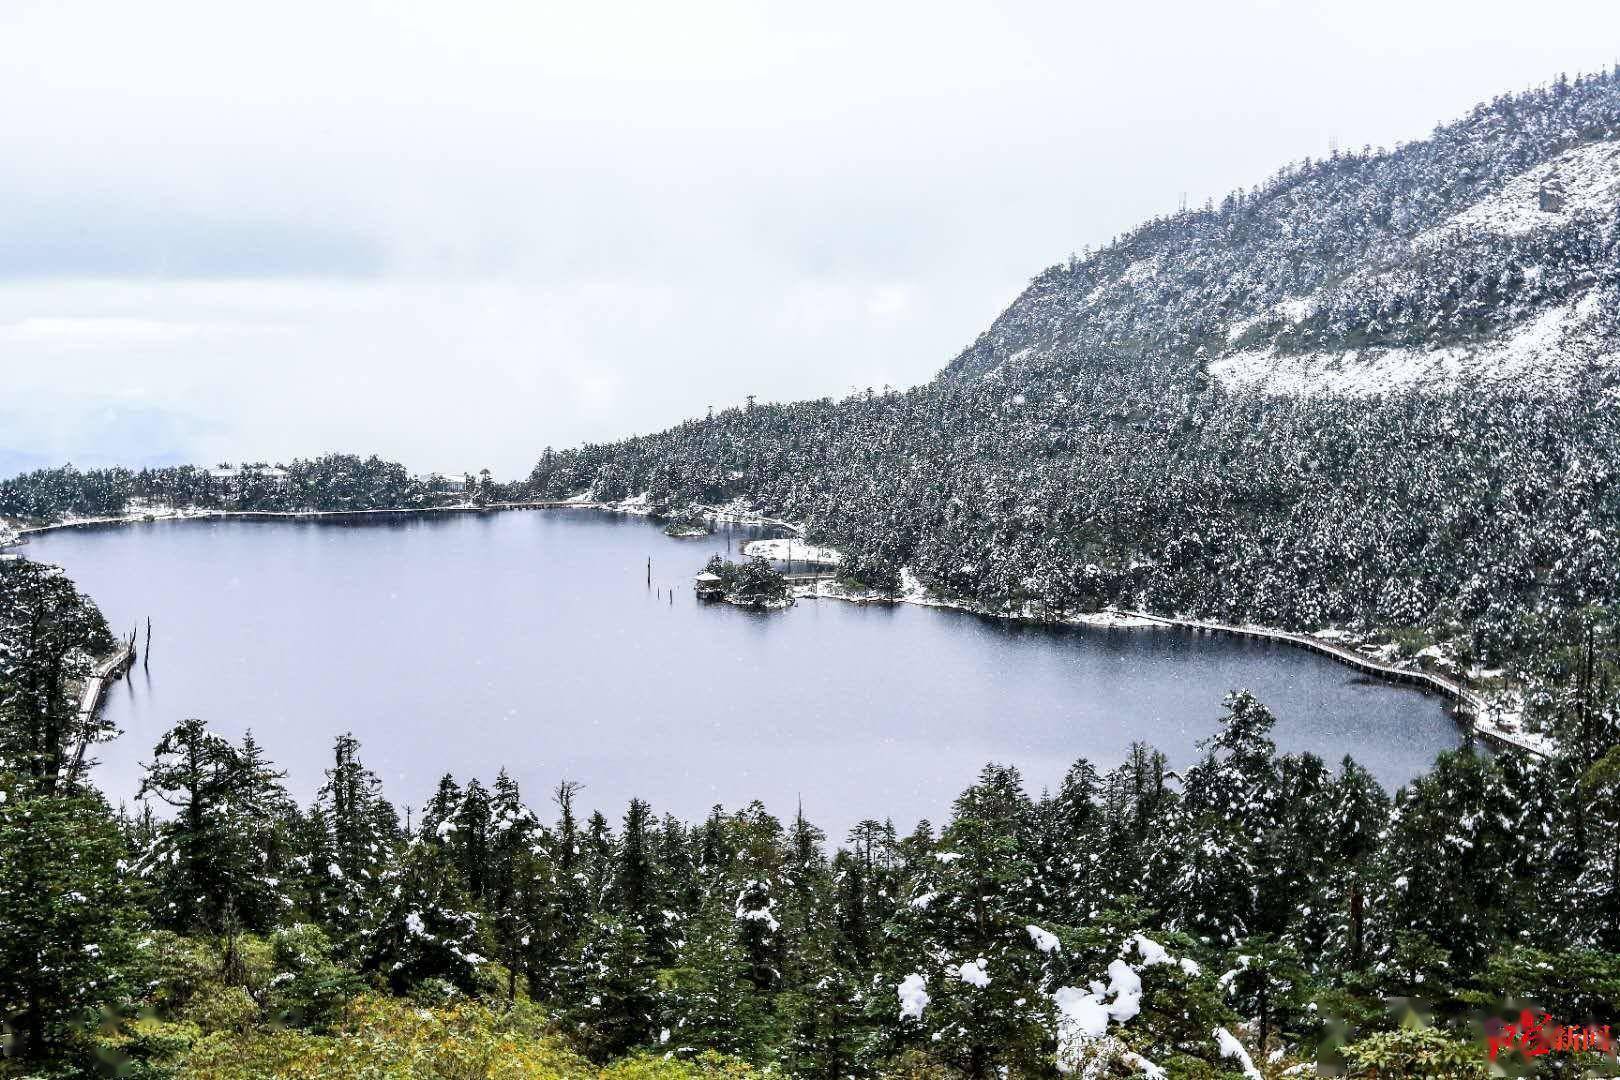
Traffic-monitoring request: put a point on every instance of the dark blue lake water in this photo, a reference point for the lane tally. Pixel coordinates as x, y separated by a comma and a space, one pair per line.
530, 640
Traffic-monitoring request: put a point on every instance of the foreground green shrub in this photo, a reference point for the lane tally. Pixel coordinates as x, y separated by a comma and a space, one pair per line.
1415, 1053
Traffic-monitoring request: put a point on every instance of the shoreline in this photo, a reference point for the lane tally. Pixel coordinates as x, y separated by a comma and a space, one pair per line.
17, 534
105, 671
1469, 706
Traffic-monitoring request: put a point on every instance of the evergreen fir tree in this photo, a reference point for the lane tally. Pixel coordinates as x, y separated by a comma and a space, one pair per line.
65, 916
1212, 854
966, 934
364, 831
421, 926
214, 852
48, 634
611, 998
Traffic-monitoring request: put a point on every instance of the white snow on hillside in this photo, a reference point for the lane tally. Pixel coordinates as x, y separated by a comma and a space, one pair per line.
794, 550
1547, 349
1293, 310
1589, 175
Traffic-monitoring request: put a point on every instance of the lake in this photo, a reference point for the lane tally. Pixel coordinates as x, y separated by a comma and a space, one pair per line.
530, 640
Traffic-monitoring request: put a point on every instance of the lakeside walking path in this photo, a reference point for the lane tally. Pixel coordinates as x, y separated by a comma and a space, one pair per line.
106, 671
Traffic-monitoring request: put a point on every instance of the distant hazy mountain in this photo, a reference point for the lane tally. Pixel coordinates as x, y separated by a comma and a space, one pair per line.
94, 432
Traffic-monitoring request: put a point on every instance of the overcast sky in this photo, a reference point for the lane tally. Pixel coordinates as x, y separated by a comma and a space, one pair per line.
454, 233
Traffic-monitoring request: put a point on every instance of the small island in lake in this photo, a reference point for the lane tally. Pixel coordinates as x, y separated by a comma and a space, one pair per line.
689, 524
752, 583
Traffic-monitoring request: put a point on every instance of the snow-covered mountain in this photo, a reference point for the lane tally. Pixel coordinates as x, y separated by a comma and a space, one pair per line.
1486, 253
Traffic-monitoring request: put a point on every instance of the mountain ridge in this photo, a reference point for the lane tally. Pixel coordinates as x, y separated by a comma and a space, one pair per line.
1088, 448
1433, 243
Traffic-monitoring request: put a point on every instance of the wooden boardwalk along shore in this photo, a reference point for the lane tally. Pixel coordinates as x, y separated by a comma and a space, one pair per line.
107, 670
1468, 703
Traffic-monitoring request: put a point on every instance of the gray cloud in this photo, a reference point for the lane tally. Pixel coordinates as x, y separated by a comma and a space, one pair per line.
458, 233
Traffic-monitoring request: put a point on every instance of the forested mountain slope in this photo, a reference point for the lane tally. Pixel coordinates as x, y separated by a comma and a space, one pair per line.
1378, 389
1481, 251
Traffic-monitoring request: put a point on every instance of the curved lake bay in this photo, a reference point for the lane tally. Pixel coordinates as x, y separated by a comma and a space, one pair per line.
530, 640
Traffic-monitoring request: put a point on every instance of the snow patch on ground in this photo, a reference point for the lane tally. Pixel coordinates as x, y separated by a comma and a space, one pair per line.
1589, 175
1549, 348
1294, 310
913, 591
1140, 271
793, 549
637, 505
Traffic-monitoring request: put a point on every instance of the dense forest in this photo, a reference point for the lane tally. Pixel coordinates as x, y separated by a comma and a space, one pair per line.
1087, 450
329, 482
1254, 912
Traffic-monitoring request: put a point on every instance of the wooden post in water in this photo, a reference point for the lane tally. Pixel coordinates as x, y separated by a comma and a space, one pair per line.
649, 571
146, 656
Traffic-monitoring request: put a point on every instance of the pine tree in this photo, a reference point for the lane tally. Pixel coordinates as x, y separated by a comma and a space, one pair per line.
1448, 876
806, 887
965, 932
438, 816
1357, 816
469, 840
65, 917
1271, 986
866, 889
313, 892
826, 1024
710, 1000
1598, 887
635, 885
1299, 858
49, 632
514, 876
421, 926
611, 996
1213, 849
1071, 846
213, 853
596, 860
1134, 798
262, 817
364, 832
